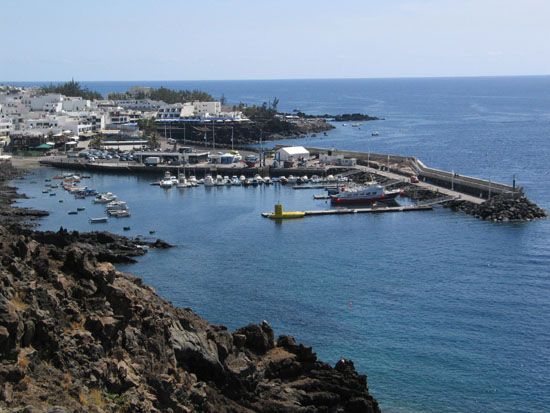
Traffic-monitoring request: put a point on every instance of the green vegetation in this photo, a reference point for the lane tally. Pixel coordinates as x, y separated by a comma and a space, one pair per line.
265, 112
71, 89
149, 130
165, 95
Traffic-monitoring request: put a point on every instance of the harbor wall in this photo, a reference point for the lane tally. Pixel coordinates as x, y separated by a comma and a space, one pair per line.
409, 165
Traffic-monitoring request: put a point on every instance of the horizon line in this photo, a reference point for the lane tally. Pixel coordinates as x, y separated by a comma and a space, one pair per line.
5, 82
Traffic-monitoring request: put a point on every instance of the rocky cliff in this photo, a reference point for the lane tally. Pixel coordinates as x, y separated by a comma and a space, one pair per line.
78, 335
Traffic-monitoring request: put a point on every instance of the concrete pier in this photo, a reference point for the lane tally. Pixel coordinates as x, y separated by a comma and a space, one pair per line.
374, 210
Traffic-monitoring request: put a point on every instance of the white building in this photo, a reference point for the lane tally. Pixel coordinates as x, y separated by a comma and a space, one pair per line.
170, 111
207, 109
292, 153
140, 104
75, 104
50, 102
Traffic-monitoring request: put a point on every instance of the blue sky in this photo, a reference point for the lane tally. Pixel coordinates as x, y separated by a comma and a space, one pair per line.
245, 39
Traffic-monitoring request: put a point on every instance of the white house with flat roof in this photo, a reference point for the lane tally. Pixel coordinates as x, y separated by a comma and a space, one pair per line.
292, 153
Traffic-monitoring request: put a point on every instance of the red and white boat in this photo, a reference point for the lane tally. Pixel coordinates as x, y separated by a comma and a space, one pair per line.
363, 195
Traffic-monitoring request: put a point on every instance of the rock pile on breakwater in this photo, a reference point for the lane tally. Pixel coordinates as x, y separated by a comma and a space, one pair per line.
78, 335
502, 208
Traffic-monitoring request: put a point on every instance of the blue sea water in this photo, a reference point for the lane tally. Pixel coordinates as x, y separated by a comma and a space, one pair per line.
444, 313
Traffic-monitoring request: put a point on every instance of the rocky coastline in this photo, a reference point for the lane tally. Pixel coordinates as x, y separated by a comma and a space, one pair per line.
78, 335
501, 208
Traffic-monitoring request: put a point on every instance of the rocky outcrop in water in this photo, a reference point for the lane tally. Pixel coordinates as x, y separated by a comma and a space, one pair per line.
78, 335
502, 208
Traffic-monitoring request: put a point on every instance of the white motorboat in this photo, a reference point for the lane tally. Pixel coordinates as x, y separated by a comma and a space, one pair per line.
242, 178
209, 181
267, 180
219, 180
235, 181
116, 206
226, 180
104, 198
258, 179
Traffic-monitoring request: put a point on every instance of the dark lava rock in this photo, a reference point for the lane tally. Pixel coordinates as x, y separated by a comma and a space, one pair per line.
502, 208
76, 335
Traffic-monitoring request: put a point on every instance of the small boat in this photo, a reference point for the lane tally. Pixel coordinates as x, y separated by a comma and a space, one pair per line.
98, 220
167, 181
126, 228
104, 198
248, 182
209, 181
375, 133
242, 178
52, 194
292, 179
182, 182
259, 180
192, 180
219, 180
235, 181
226, 180
81, 209
116, 206
73, 212
45, 191
267, 180
152, 232
60, 200
119, 213
283, 180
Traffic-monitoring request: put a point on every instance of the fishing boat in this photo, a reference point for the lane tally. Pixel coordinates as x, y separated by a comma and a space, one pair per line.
363, 195
98, 220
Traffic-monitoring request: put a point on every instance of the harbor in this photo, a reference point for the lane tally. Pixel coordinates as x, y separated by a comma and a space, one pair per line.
317, 171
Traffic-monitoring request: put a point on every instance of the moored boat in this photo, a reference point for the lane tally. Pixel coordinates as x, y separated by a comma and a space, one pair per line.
363, 195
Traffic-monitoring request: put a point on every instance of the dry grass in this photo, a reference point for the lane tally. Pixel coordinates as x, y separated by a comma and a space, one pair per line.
93, 398
67, 381
18, 303
23, 361
75, 326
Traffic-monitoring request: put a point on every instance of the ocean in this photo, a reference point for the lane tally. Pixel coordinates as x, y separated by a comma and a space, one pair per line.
445, 313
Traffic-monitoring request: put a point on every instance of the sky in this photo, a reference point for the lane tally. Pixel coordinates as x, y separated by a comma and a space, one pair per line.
58, 40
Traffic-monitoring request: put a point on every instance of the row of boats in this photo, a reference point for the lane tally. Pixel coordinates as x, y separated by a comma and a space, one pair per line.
113, 206
181, 181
